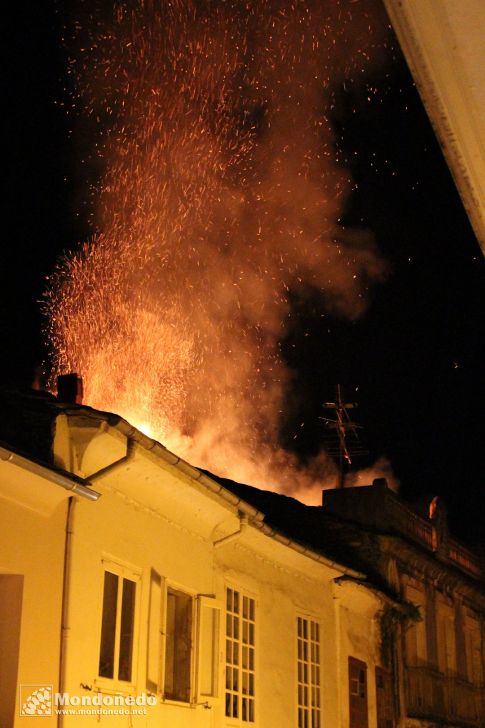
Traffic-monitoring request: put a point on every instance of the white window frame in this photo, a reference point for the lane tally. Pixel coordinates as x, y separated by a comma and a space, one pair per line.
232, 720
122, 571
306, 659
199, 602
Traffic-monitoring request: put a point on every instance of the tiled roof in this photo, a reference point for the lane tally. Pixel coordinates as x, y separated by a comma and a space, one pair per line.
27, 422
331, 536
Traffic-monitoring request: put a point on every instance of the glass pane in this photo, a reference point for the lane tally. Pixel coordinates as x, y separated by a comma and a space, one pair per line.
126, 633
245, 633
245, 657
108, 629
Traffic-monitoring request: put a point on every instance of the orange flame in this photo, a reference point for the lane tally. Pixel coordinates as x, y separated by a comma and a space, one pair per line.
221, 193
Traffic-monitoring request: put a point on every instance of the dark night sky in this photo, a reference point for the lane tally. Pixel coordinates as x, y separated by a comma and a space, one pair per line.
417, 356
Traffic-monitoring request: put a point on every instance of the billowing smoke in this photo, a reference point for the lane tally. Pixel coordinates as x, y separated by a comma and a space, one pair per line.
221, 193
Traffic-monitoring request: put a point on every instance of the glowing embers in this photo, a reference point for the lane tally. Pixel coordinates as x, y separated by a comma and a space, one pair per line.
219, 196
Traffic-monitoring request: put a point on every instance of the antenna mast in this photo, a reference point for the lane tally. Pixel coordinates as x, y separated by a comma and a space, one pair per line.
348, 444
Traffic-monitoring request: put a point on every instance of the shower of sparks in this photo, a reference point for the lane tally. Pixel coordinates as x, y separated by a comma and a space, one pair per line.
221, 192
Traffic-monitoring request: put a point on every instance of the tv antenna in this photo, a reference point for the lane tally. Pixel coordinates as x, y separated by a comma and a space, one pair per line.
347, 443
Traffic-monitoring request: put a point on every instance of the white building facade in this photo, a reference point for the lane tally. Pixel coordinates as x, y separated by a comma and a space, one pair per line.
168, 600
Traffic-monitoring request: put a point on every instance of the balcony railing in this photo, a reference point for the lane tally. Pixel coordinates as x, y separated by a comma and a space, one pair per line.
432, 695
464, 558
418, 529
407, 522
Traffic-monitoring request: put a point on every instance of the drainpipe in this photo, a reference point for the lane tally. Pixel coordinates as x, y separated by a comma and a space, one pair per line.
243, 522
67, 574
340, 669
130, 454
66, 588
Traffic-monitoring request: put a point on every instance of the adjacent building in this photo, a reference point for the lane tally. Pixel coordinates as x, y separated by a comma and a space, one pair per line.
438, 652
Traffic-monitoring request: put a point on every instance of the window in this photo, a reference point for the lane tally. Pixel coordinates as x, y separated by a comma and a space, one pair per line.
178, 646
445, 621
118, 625
473, 648
415, 635
308, 646
240, 658
183, 642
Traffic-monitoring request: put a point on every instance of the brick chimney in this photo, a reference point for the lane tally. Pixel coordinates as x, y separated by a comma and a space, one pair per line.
70, 388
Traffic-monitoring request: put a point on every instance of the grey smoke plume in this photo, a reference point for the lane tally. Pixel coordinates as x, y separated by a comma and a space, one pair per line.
221, 193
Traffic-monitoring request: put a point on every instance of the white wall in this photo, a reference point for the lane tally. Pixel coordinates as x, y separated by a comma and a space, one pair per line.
137, 523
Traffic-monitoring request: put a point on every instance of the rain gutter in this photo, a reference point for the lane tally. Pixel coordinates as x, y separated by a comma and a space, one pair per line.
65, 480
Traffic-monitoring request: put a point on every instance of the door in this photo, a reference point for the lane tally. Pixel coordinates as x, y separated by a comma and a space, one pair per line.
357, 693
384, 699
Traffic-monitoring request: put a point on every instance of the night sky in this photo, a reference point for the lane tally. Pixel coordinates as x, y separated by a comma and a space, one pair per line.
414, 363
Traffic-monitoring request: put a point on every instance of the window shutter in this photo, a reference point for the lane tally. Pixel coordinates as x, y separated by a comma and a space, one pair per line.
209, 643
154, 639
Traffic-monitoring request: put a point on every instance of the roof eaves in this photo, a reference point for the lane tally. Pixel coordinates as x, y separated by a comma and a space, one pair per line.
257, 517
311, 553
60, 477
